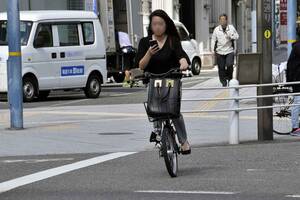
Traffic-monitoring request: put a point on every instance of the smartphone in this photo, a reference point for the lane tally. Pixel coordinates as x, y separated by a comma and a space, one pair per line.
153, 43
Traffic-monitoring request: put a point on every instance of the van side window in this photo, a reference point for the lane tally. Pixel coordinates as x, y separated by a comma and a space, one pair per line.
68, 34
43, 37
88, 33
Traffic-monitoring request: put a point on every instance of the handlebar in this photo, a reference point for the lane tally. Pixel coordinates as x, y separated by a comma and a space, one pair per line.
173, 72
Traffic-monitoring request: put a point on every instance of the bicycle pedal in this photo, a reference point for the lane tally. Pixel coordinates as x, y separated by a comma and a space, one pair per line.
158, 145
160, 154
158, 138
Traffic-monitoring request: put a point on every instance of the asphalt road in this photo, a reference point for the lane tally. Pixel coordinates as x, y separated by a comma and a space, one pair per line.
246, 172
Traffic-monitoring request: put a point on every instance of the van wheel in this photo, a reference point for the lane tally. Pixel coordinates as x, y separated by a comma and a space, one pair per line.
29, 89
43, 95
93, 87
196, 66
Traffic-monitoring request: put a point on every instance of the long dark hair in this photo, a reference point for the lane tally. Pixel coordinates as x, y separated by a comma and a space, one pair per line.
171, 30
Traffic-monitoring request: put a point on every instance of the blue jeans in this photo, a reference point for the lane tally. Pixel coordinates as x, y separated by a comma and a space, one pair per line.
295, 112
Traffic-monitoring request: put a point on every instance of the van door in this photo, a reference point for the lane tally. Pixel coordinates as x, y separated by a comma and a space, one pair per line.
44, 57
70, 55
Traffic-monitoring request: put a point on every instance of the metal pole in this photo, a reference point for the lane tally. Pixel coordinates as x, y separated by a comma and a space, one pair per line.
29, 5
264, 47
292, 18
234, 115
130, 21
253, 27
14, 66
95, 7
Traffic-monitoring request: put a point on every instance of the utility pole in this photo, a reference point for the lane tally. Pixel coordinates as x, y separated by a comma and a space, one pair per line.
264, 45
14, 66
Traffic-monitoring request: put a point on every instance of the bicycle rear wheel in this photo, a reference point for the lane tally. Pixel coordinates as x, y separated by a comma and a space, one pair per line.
169, 151
282, 124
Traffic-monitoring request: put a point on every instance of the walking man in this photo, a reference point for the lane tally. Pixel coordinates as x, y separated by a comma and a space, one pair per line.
222, 43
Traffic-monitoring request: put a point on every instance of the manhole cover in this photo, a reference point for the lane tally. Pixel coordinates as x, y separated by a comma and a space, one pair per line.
116, 133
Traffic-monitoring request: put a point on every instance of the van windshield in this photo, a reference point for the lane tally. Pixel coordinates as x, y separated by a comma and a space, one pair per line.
25, 29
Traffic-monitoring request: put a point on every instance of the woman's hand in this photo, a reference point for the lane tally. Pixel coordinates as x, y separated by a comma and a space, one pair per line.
145, 60
183, 64
153, 50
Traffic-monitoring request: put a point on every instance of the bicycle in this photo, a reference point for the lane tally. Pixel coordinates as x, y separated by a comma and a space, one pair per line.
163, 105
282, 114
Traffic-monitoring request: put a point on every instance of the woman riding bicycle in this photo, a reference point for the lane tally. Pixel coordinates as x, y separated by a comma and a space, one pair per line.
158, 53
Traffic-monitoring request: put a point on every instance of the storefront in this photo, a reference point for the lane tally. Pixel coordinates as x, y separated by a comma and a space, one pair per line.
281, 20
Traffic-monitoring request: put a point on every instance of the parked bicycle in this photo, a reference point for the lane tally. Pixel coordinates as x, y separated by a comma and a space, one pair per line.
282, 114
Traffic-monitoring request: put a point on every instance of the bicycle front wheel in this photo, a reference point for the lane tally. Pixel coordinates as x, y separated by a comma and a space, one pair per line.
169, 151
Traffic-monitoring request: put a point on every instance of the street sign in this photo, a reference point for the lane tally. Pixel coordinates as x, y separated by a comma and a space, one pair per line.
268, 34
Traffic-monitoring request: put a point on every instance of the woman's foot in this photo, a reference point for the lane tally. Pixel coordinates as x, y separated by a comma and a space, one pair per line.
186, 148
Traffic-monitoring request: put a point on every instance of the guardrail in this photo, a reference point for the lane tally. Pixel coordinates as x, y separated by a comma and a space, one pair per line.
234, 108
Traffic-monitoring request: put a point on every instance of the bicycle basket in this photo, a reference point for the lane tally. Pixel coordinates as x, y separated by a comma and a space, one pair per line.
164, 98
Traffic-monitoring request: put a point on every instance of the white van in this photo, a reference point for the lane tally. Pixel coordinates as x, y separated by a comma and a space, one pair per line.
61, 50
190, 46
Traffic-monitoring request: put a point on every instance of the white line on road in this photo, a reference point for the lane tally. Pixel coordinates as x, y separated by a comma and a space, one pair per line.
68, 103
36, 160
293, 196
119, 95
256, 170
185, 192
25, 180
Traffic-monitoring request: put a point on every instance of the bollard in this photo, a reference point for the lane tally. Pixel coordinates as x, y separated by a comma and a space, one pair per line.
234, 115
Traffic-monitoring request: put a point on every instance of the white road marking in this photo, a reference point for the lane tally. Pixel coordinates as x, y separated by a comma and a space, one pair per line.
186, 192
119, 95
25, 180
256, 170
293, 196
265, 170
36, 160
67, 103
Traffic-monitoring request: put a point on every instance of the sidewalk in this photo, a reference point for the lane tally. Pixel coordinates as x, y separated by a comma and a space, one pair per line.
111, 128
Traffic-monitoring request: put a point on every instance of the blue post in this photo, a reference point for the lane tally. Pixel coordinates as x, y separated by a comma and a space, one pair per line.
14, 66
95, 7
292, 18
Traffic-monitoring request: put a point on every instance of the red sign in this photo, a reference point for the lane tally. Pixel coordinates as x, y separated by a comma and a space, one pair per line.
283, 18
283, 4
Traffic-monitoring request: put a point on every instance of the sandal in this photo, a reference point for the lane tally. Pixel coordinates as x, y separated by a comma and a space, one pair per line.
185, 148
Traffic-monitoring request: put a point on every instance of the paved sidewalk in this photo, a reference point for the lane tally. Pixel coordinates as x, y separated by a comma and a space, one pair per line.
112, 128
